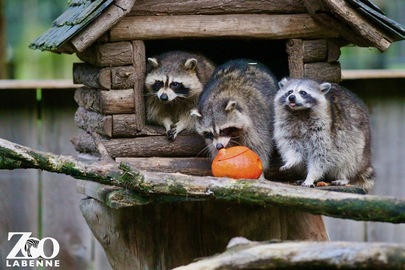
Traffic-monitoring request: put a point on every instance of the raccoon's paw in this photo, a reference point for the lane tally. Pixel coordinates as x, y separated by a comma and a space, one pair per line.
340, 182
285, 167
307, 184
172, 133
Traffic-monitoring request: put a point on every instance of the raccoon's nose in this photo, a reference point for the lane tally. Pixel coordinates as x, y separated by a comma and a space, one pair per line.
219, 146
164, 97
291, 98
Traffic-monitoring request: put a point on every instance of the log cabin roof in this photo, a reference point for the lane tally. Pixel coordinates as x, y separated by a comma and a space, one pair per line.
359, 22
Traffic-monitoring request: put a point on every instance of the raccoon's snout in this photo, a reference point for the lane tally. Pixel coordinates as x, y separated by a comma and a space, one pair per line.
164, 97
219, 146
291, 98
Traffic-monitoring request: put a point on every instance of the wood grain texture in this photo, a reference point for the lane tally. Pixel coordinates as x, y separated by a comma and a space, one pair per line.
359, 24
181, 7
150, 236
105, 102
183, 146
101, 24
192, 166
108, 54
236, 25
139, 64
328, 72
303, 255
121, 77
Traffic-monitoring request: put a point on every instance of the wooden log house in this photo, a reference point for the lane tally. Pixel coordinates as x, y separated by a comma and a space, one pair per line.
113, 38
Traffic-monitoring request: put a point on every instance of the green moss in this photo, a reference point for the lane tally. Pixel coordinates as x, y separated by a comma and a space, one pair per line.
177, 189
240, 192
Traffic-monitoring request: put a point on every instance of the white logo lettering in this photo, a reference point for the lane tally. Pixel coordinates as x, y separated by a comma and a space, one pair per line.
31, 247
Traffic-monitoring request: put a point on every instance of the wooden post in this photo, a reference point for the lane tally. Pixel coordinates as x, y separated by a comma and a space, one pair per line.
174, 233
314, 59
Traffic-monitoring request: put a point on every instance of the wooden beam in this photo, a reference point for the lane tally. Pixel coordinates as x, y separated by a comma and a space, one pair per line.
106, 102
139, 65
191, 166
101, 24
121, 77
310, 59
233, 25
108, 54
35, 84
362, 26
187, 7
325, 71
152, 146
372, 74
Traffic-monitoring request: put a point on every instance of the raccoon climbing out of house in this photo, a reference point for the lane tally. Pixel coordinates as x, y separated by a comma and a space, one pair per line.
174, 81
324, 129
236, 108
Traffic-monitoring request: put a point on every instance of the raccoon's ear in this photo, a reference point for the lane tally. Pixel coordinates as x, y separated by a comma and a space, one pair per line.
153, 62
325, 87
230, 106
195, 112
283, 82
191, 64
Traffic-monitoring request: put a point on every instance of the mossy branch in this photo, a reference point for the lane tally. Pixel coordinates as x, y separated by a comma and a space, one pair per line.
341, 205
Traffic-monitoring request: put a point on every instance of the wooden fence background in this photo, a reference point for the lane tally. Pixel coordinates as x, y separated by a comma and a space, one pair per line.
48, 205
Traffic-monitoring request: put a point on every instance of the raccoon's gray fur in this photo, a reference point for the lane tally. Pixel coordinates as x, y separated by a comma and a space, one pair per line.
174, 81
323, 128
235, 108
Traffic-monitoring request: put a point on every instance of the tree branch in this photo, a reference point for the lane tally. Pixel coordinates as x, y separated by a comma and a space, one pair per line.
351, 206
305, 255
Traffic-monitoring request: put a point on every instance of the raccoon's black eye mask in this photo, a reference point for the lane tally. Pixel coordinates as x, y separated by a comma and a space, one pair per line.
229, 132
157, 85
179, 88
208, 135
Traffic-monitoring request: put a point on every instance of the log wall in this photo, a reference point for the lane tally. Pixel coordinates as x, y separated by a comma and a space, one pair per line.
315, 59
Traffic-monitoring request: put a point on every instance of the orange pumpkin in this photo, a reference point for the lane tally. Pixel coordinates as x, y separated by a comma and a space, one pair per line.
237, 162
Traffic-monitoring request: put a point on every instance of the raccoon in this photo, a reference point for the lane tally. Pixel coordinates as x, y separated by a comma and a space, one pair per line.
324, 129
173, 83
235, 108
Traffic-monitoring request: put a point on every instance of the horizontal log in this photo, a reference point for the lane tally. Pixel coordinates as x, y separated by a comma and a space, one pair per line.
155, 146
106, 102
235, 25
126, 125
247, 254
35, 84
373, 74
91, 76
329, 72
122, 77
187, 7
108, 54
259, 192
192, 166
